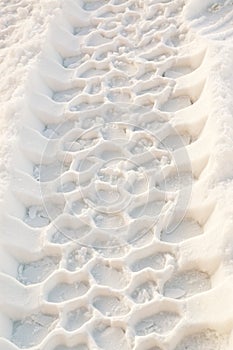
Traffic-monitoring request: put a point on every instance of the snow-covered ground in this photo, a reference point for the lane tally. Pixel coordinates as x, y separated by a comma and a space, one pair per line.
116, 162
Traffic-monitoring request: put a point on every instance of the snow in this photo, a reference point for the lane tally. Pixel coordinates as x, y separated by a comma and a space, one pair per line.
116, 148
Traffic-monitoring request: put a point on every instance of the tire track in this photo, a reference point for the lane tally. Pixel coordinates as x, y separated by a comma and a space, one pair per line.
109, 247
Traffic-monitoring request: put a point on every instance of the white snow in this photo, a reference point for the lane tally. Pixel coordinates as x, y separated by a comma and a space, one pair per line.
116, 149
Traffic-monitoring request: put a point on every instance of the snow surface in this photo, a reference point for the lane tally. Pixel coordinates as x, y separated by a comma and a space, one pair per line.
116, 175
